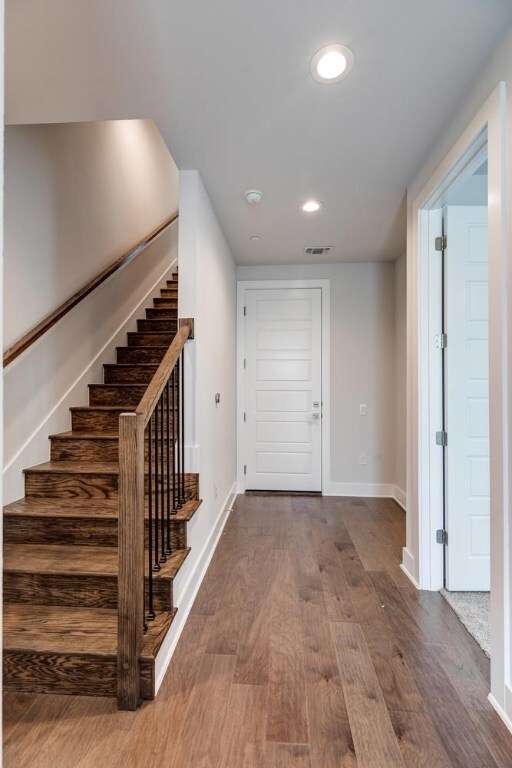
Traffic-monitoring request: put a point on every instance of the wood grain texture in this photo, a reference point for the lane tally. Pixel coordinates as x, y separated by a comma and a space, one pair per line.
130, 603
213, 709
364, 700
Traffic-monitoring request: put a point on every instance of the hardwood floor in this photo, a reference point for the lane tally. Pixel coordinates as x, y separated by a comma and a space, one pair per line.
307, 647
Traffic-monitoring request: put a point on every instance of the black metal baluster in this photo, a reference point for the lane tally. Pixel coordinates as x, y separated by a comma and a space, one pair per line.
151, 613
183, 494
163, 481
168, 478
156, 564
178, 433
173, 392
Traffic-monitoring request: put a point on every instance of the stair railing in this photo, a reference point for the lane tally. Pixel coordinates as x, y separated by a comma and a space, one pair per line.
152, 488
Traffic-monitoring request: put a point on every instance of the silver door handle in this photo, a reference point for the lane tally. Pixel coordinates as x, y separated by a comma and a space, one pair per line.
316, 417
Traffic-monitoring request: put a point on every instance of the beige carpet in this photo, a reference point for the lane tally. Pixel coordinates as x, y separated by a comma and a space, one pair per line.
473, 610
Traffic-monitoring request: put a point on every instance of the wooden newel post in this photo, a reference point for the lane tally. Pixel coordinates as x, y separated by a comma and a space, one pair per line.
131, 584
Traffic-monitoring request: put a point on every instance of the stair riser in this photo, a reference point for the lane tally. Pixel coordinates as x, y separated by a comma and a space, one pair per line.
167, 324
132, 375
150, 339
66, 673
70, 485
75, 591
91, 450
110, 394
84, 450
169, 293
69, 673
159, 313
95, 421
76, 531
136, 355
164, 302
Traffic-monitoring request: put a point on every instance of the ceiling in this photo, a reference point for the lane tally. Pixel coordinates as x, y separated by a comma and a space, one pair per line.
228, 83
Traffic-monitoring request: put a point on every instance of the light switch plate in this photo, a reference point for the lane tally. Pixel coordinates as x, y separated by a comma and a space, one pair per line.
363, 409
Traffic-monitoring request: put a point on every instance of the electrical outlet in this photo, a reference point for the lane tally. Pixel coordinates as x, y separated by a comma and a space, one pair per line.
363, 409
362, 458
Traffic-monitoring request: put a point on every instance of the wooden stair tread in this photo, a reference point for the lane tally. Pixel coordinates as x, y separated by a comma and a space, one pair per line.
120, 408
84, 508
77, 435
80, 561
82, 467
81, 631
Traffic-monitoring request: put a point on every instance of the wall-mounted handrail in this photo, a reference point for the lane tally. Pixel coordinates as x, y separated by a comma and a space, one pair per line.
152, 468
35, 333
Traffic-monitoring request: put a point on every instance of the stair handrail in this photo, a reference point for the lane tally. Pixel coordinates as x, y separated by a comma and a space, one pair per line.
132, 615
35, 333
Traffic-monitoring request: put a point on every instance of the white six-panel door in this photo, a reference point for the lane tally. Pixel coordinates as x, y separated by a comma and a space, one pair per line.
282, 392
467, 399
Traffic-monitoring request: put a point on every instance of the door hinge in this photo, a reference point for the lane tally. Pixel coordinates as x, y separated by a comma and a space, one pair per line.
245, 362
245, 416
245, 311
441, 243
441, 340
245, 469
442, 438
442, 536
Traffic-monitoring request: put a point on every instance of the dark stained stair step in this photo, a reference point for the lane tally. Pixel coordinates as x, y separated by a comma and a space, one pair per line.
94, 446
150, 339
118, 373
141, 354
116, 394
162, 312
76, 479
59, 649
165, 302
168, 324
44, 574
101, 418
79, 522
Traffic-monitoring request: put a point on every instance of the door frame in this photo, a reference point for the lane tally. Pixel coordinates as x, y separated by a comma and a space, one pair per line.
325, 287
421, 556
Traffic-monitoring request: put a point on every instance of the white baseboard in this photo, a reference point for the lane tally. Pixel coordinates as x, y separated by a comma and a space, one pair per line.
400, 496
190, 589
368, 490
501, 712
407, 566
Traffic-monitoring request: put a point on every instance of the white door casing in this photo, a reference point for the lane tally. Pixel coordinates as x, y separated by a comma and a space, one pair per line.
467, 399
283, 389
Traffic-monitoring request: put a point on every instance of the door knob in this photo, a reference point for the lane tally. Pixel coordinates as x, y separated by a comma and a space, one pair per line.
316, 417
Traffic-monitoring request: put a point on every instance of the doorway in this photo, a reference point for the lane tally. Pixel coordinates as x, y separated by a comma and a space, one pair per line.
283, 385
423, 555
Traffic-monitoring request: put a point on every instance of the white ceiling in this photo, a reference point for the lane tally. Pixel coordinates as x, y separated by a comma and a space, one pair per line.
228, 83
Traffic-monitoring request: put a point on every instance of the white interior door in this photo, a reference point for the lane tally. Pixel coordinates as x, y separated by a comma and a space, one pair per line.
467, 399
283, 409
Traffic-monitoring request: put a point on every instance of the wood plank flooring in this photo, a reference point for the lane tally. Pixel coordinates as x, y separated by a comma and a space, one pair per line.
307, 647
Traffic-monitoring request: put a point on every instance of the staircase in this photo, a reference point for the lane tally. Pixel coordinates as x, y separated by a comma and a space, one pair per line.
61, 540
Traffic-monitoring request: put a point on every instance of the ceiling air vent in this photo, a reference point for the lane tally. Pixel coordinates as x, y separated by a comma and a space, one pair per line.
318, 250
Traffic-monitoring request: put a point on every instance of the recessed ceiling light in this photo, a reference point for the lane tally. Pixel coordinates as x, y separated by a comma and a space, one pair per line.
311, 206
255, 238
331, 64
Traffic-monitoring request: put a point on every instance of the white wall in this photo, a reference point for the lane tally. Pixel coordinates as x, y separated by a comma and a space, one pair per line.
499, 69
400, 376
208, 294
362, 370
76, 197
